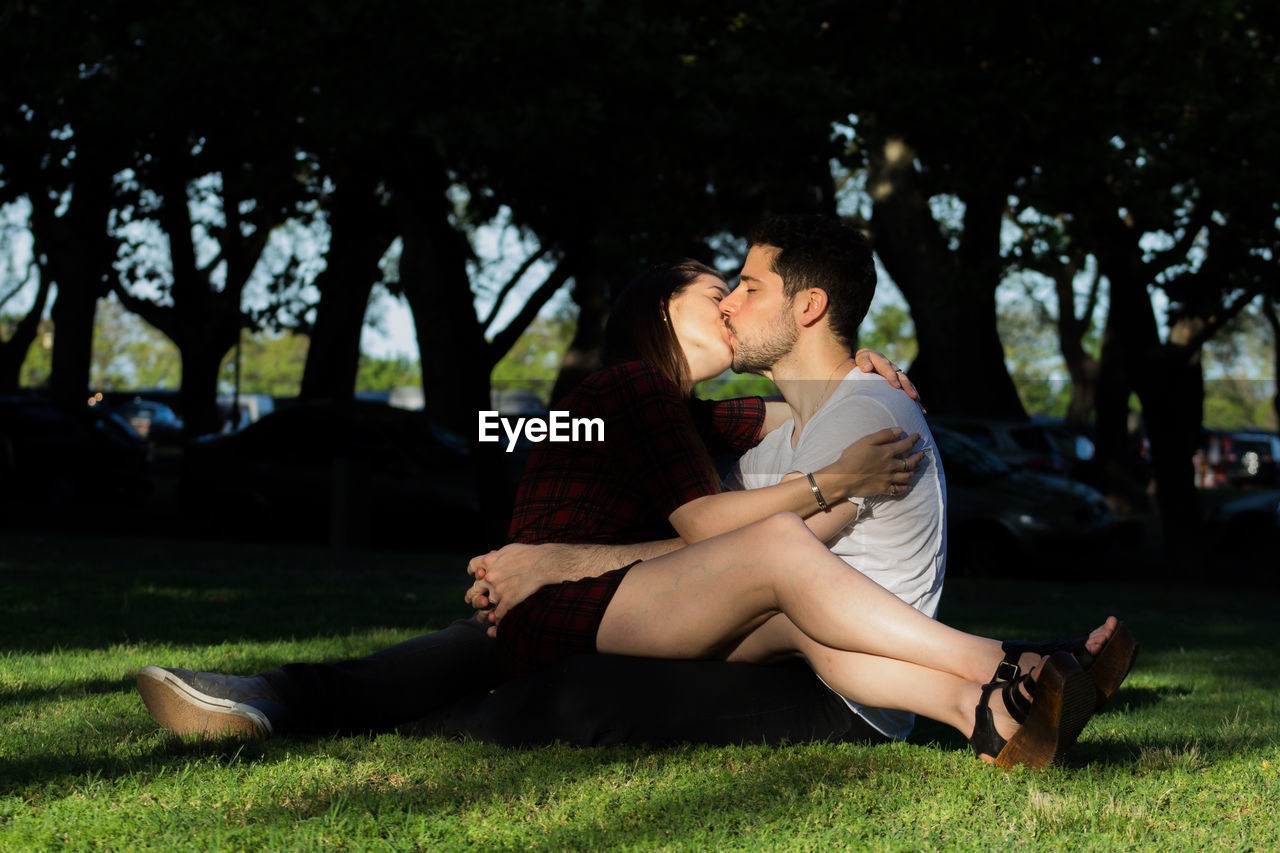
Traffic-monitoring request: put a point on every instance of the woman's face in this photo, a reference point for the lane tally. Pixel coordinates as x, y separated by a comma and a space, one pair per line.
695, 316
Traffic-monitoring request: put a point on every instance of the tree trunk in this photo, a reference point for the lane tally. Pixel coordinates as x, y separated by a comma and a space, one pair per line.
75, 254
433, 274
202, 322
1269, 311
1081, 366
1168, 382
960, 365
592, 293
13, 352
361, 229
1173, 410
455, 364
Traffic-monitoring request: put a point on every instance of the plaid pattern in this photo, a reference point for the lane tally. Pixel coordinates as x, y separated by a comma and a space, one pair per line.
650, 463
619, 490
555, 622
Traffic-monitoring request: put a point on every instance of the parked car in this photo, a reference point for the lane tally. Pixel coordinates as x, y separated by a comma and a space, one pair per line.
154, 422
1249, 458
1241, 522
1003, 520
1075, 445
54, 456
237, 412
1019, 443
331, 472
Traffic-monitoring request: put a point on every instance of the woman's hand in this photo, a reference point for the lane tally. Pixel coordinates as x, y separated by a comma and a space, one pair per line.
877, 464
874, 361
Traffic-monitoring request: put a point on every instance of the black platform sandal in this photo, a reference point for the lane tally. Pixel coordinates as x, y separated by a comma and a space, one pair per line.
1050, 722
1108, 668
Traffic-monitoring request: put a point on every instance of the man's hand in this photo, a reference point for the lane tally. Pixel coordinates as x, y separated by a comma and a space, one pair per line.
508, 576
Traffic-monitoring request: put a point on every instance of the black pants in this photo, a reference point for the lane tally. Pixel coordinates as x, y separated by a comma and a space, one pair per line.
448, 683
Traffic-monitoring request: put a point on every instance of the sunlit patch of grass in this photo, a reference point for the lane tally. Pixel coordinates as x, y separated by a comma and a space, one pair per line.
1186, 756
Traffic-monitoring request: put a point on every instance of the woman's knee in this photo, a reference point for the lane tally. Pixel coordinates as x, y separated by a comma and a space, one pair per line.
786, 529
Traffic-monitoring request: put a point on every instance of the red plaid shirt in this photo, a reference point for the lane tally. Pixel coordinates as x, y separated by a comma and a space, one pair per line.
650, 463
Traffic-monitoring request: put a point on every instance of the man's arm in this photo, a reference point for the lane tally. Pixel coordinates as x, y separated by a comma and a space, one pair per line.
509, 575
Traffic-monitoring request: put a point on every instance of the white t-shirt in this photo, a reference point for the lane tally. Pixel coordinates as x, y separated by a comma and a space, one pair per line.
900, 543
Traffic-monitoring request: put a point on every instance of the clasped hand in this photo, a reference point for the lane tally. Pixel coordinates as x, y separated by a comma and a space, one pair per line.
506, 577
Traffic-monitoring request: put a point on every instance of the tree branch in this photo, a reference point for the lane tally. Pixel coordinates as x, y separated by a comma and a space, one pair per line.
1177, 253
1217, 321
163, 317
511, 283
18, 288
506, 339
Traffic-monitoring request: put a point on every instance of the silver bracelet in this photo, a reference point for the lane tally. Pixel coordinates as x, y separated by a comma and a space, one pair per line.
813, 484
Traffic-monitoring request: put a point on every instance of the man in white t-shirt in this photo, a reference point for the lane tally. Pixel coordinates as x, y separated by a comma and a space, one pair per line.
898, 542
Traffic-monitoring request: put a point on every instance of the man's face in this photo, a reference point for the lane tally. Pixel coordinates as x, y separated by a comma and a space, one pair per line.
759, 315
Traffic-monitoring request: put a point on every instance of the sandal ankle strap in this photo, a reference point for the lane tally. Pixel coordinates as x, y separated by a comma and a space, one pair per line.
986, 740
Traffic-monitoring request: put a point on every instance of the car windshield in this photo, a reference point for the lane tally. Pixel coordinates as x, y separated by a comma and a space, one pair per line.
965, 461
1262, 448
1032, 438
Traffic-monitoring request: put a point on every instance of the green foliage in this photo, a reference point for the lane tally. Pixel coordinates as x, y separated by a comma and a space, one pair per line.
39, 359
1240, 404
128, 352
383, 374
729, 385
270, 363
1185, 757
889, 329
1033, 359
1240, 379
534, 362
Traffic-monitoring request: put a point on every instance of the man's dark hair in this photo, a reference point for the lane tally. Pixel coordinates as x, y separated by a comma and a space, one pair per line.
827, 253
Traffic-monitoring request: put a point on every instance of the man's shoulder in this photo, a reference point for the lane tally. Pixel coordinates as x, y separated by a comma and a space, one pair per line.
869, 397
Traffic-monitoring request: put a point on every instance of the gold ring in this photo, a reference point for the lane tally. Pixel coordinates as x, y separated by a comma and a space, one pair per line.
905, 466
893, 489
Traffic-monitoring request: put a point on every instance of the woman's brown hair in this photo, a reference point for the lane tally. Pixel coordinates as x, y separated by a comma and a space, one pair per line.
638, 328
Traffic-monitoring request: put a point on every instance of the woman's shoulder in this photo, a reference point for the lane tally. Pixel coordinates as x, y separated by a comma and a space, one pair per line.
633, 375
623, 387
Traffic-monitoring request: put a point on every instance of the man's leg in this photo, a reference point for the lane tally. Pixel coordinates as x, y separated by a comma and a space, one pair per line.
594, 700
392, 686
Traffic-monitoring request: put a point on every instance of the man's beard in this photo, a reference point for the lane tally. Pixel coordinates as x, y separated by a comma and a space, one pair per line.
759, 356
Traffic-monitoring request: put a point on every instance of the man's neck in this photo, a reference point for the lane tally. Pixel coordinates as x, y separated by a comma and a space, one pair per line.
807, 377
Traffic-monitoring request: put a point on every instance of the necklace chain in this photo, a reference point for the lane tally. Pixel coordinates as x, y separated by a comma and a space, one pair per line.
822, 398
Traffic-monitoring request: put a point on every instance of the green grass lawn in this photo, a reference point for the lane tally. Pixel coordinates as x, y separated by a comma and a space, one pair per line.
1186, 757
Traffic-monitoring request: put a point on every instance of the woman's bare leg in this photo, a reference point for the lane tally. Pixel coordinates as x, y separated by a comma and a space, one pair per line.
878, 682
701, 601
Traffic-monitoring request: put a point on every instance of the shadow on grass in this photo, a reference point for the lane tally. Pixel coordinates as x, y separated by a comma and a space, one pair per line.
65, 689
94, 593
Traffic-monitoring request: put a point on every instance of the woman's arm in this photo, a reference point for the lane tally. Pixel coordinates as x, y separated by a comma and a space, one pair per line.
872, 465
